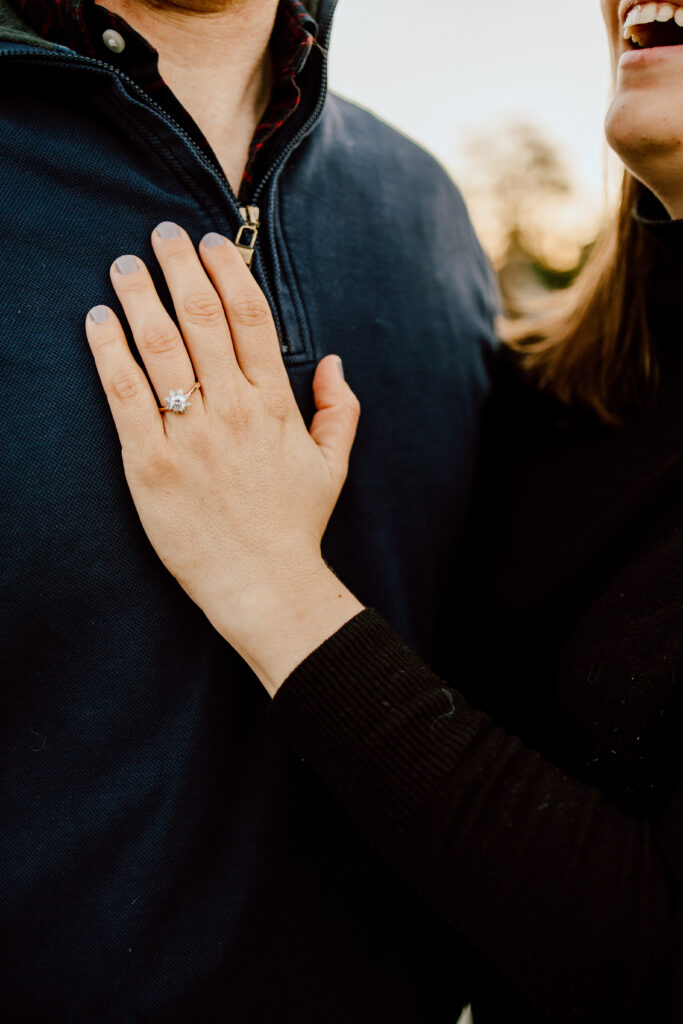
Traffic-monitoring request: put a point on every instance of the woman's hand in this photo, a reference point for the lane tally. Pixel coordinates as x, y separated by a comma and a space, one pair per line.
234, 493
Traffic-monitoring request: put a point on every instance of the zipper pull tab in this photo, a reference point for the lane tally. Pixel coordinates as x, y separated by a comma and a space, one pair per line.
247, 235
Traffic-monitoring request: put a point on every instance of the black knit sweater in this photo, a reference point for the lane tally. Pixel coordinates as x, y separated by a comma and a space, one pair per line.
548, 827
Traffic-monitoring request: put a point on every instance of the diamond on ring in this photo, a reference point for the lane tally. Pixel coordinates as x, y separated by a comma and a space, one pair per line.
179, 401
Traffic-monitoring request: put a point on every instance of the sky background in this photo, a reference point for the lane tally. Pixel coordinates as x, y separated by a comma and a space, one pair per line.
443, 69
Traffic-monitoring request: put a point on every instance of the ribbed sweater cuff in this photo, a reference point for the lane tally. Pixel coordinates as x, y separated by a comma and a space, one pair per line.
380, 728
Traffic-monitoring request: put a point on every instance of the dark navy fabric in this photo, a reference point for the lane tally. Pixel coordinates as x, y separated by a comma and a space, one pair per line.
162, 856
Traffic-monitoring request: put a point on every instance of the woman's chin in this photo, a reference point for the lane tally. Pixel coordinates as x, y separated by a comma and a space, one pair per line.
648, 148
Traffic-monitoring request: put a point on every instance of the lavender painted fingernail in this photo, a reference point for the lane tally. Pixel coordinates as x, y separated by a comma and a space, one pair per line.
213, 239
98, 314
167, 229
127, 265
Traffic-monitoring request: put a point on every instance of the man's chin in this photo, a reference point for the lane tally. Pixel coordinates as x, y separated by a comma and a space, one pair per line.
194, 6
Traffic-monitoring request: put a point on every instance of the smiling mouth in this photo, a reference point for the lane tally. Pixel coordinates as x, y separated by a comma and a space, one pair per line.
654, 24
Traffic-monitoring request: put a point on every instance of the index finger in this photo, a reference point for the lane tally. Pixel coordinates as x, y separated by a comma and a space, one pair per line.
252, 327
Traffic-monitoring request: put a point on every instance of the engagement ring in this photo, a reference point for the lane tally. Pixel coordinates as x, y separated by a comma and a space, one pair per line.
179, 401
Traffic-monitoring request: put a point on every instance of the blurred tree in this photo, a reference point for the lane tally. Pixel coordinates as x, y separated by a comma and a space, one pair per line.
526, 207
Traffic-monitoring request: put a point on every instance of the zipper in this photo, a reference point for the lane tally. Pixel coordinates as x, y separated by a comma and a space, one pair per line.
251, 215
310, 123
247, 236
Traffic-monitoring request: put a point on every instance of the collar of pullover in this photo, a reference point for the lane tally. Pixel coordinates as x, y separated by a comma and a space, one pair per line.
667, 234
83, 25
89, 29
663, 270
14, 29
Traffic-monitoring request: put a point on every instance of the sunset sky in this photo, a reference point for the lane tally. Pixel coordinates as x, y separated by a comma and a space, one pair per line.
440, 69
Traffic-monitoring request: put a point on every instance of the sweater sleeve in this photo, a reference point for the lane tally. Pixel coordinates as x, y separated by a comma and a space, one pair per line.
574, 900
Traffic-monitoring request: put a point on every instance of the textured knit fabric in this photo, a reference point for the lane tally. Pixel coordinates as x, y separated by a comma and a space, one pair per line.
163, 856
548, 830
80, 25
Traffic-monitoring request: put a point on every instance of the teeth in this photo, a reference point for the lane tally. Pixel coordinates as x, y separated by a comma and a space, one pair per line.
665, 12
635, 17
648, 14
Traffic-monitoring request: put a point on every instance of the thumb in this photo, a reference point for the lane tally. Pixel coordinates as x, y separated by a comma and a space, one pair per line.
334, 425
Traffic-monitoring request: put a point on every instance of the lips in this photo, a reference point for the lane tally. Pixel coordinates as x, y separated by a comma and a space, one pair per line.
653, 24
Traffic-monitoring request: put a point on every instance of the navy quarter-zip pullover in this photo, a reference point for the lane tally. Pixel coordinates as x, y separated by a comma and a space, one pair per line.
163, 858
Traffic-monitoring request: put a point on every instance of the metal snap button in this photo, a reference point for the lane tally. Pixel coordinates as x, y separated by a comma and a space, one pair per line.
114, 41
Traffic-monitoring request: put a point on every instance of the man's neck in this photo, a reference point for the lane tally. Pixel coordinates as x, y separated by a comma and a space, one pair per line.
217, 62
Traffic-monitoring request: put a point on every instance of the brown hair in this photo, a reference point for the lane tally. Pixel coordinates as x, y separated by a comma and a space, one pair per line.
592, 347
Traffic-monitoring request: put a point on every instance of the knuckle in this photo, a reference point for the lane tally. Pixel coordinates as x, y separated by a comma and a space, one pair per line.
104, 340
250, 311
279, 403
203, 310
352, 408
156, 464
133, 284
125, 386
159, 338
177, 251
203, 445
238, 414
